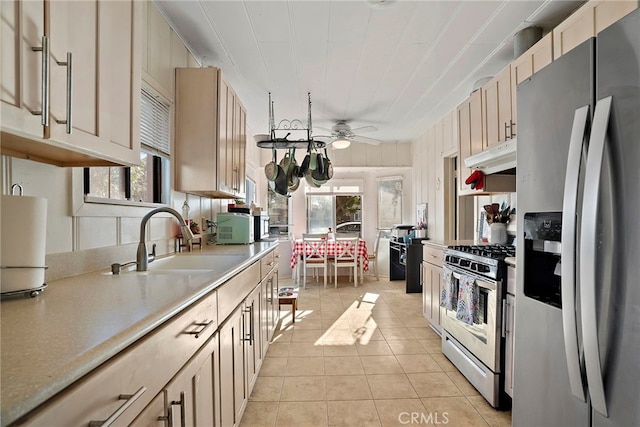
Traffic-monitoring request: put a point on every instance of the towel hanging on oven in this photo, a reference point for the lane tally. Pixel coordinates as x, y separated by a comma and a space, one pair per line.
468, 300
449, 292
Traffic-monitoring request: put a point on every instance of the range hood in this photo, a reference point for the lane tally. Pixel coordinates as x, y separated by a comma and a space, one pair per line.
495, 159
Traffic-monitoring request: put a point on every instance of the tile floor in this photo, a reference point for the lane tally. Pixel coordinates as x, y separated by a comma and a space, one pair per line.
362, 356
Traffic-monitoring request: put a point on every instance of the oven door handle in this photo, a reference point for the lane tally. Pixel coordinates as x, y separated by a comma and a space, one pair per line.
478, 282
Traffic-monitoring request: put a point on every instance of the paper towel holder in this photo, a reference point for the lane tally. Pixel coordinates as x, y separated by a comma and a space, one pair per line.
20, 190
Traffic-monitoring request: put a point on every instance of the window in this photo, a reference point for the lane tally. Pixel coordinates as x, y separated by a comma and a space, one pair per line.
389, 202
342, 213
149, 181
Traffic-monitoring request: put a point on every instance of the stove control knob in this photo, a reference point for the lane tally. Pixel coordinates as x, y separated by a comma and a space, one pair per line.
465, 263
483, 268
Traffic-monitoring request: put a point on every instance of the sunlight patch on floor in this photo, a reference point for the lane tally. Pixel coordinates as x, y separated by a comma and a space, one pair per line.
358, 317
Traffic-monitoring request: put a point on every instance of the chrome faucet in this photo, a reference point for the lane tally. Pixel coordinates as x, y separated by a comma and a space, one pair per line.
142, 258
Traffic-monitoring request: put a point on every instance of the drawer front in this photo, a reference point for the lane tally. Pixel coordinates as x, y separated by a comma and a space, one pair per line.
432, 255
147, 365
266, 264
235, 290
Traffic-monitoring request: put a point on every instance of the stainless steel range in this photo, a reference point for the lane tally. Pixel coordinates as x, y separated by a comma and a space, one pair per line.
473, 331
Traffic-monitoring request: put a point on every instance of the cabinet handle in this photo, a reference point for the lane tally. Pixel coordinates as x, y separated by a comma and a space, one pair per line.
201, 332
249, 336
68, 64
512, 128
130, 399
44, 111
505, 329
507, 130
183, 418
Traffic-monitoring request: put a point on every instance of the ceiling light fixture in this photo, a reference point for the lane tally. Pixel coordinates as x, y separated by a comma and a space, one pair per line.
341, 143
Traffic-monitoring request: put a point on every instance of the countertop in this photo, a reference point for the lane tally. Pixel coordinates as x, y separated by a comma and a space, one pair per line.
440, 244
510, 261
76, 324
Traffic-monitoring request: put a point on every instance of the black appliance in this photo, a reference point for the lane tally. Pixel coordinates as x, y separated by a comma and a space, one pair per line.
261, 226
405, 261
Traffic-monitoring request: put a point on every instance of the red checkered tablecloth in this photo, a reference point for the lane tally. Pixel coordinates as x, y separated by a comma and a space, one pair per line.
363, 258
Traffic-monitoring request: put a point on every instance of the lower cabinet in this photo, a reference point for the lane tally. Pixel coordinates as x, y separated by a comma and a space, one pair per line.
431, 285
190, 397
233, 394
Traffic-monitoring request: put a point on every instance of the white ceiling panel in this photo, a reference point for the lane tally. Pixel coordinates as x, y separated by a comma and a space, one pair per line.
398, 67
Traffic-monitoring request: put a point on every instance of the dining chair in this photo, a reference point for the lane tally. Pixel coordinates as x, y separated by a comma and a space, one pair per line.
346, 255
314, 255
373, 257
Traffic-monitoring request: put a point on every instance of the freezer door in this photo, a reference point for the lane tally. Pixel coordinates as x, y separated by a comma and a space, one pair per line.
617, 244
547, 104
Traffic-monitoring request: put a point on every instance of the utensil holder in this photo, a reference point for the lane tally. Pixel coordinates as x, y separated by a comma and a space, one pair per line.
498, 235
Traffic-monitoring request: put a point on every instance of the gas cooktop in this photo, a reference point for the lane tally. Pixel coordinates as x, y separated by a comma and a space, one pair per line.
487, 251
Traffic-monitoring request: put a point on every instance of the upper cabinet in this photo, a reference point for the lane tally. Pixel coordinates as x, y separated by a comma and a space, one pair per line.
470, 133
71, 93
588, 21
210, 129
498, 123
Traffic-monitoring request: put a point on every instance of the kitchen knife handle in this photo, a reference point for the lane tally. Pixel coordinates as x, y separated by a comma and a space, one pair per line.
568, 280
589, 255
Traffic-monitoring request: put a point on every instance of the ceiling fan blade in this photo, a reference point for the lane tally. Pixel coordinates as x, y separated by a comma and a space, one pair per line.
365, 140
323, 136
364, 129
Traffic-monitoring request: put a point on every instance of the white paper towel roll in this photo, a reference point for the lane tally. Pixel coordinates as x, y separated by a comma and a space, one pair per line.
24, 236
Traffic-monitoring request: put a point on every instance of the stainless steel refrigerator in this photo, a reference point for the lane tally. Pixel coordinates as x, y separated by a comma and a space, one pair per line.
577, 327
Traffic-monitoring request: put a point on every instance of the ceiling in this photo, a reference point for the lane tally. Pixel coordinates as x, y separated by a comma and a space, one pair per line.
396, 65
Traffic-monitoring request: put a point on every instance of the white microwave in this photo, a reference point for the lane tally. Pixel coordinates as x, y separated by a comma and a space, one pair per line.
234, 228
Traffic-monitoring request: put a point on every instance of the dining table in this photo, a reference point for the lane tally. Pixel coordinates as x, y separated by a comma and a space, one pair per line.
331, 246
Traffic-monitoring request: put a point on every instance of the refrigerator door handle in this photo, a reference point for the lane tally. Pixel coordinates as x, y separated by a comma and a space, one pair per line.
589, 255
568, 266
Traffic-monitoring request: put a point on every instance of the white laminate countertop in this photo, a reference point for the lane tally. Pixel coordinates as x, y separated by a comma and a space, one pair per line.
78, 323
510, 261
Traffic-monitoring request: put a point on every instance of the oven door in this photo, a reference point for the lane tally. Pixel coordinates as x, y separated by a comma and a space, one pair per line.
482, 339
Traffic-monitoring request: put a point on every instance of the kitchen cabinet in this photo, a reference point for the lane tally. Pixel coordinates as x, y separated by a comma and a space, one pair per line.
269, 309
530, 62
90, 98
210, 129
470, 134
132, 379
233, 391
449, 134
252, 323
432, 285
588, 21
498, 124
190, 397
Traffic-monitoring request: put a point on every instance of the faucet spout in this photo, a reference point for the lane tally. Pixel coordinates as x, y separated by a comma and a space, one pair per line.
142, 258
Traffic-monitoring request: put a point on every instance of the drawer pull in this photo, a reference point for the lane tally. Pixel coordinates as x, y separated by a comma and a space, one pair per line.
201, 332
130, 399
183, 418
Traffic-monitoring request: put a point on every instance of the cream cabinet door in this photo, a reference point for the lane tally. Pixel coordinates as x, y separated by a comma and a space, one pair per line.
496, 95
233, 393
22, 27
464, 142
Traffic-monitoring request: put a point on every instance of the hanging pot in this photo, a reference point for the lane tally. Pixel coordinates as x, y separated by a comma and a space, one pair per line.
281, 182
271, 168
328, 167
292, 172
305, 163
310, 180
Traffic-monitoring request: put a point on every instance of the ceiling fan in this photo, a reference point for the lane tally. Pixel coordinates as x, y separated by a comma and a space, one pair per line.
342, 135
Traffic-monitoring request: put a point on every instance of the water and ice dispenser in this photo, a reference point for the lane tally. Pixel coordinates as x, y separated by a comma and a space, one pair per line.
542, 256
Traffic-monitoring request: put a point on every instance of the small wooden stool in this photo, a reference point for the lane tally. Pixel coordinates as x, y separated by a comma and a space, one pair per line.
289, 296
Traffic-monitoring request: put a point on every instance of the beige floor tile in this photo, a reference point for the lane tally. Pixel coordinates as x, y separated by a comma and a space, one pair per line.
415, 321
306, 335
267, 389
388, 323
381, 365
462, 383
260, 414
335, 350
305, 349
349, 365
457, 410
347, 387
350, 413
398, 412
339, 323
493, 417
432, 345
412, 363
308, 324
283, 335
397, 333
303, 389
373, 348
433, 384
297, 414
443, 362
304, 366
331, 315
278, 349
391, 386
424, 333
406, 347
273, 367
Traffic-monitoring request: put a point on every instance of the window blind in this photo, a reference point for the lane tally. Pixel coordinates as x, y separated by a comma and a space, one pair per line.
155, 121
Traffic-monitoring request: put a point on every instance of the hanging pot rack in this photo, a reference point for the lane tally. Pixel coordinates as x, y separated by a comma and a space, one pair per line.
295, 127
